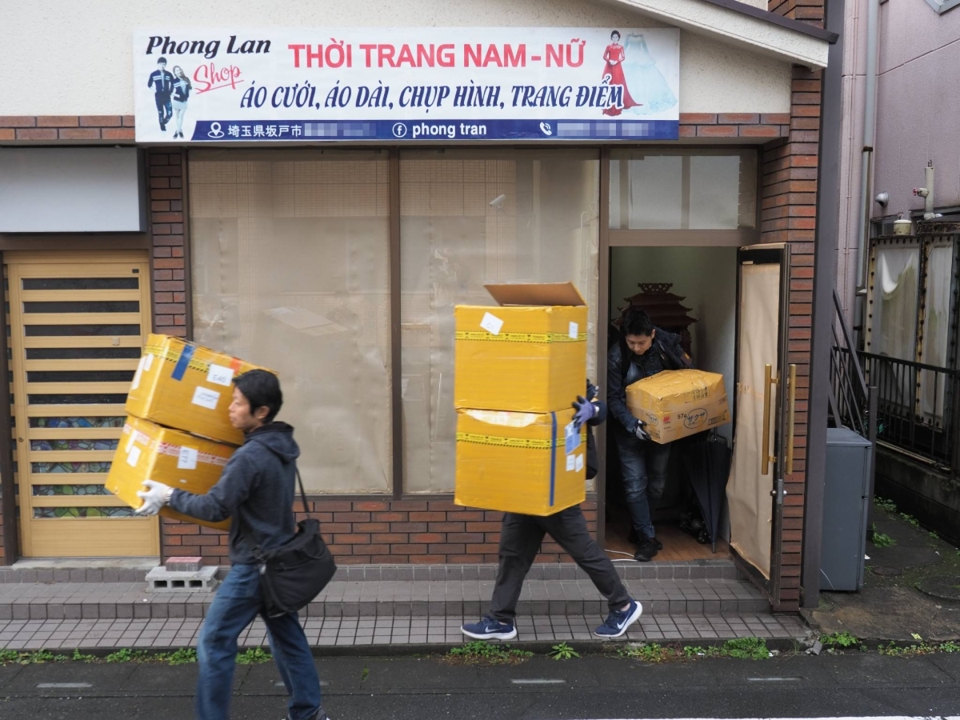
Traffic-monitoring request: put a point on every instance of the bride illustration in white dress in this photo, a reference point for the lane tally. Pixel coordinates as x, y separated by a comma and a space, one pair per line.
647, 85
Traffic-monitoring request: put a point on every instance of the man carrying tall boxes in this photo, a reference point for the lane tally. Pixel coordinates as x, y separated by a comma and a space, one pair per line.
205, 393
521, 449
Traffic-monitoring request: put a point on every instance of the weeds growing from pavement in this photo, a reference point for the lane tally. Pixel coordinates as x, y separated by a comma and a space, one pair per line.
562, 651
750, 648
839, 640
479, 652
881, 540
883, 504
253, 656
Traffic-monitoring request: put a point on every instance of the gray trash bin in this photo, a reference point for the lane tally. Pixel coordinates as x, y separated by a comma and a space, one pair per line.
845, 496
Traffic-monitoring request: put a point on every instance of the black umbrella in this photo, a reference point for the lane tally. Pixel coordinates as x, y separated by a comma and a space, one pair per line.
707, 464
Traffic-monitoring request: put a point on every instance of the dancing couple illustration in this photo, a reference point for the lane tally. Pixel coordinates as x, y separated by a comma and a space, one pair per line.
632, 67
171, 91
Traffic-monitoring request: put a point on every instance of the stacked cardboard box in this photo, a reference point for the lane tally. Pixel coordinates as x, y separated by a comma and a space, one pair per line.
518, 368
178, 429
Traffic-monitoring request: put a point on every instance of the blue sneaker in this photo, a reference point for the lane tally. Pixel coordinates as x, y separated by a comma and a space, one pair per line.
489, 629
619, 620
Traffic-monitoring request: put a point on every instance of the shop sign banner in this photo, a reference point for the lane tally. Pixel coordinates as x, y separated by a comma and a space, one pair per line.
406, 84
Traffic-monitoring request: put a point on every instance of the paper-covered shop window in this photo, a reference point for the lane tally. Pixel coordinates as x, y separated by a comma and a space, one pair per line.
290, 253
468, 218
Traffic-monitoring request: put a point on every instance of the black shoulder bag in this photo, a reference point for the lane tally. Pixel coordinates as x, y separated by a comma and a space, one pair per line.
296, 572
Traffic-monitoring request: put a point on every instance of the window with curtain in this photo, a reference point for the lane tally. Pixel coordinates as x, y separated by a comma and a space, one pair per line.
936, 330
471, 217
290, 253
893, 302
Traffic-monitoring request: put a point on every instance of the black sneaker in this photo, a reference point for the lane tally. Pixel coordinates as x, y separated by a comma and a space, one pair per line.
647, 550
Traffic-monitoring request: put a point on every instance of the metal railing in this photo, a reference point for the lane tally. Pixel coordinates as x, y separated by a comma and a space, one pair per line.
917, 407
853, 403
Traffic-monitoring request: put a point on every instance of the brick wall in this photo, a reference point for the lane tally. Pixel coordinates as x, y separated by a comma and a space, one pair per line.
66, 128
810, 11
788, 214
117, 128
392, 532
166, 170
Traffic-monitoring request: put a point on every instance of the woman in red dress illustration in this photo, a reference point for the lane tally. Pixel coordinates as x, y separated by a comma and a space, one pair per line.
613, 73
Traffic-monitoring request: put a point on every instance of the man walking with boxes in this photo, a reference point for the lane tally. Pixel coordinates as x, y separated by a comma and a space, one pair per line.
520, 538
256, 490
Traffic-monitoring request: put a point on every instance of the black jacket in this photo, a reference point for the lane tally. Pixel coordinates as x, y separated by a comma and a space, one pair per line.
622, 370
256, 489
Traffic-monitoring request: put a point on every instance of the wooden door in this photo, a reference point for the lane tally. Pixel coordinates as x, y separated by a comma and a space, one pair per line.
77, 322
765, 393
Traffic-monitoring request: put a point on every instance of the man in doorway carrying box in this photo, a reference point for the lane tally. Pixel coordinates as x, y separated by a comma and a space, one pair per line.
642, 351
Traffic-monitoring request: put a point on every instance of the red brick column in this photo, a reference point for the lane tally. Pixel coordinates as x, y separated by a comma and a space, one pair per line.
167, 169
788, 214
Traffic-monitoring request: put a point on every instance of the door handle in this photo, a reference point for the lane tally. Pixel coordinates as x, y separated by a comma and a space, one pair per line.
765, 456
792, 408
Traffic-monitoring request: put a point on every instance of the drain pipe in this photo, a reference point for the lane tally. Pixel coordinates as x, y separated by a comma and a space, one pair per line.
866, 158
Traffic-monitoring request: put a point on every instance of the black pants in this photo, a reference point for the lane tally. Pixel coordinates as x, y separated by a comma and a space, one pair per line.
164, 108
520, 538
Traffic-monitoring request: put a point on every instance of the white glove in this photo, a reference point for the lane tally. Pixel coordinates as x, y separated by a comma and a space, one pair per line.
155, 497
640, 432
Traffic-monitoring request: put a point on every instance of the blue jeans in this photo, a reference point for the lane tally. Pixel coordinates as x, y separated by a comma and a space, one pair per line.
643, 464
235, 605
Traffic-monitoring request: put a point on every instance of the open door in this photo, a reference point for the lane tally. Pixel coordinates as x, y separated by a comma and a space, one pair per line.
765, 388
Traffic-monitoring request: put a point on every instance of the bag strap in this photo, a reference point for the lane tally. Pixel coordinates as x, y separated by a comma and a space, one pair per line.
303, 494
257, 552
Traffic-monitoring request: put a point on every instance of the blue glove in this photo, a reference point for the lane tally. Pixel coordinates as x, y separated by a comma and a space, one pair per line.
586, 410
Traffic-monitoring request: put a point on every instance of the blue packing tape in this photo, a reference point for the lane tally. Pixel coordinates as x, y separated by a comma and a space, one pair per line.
183, 362
553, 458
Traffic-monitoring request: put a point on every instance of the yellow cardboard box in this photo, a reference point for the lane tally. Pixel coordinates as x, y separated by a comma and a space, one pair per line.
185, 386
520, 462
150, 452
677, 403
528, 355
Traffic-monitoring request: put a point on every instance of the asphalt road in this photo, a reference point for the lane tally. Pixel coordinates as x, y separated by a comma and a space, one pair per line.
590, 688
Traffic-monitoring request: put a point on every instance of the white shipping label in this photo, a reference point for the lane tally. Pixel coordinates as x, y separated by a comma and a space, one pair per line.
579, 462
571, 438
147, 362
133, 457
136, 376
571, 460
220, 375
206, 398
187, 459
491, 323
574, 331
131, 441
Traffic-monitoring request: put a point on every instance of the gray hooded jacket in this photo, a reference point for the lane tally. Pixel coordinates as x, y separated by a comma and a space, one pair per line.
256, 489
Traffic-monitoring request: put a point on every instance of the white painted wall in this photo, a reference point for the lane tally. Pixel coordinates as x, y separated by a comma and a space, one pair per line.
75, 58
918, 101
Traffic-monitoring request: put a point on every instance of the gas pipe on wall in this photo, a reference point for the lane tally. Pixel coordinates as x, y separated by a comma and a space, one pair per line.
927, 193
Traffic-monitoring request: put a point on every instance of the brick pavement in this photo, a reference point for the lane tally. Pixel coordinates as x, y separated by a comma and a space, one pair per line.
87, 635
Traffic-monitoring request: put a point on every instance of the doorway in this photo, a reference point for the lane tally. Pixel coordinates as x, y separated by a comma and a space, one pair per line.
691, 291
78, 322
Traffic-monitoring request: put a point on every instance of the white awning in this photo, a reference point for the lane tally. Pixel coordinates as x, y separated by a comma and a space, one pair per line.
742, 25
